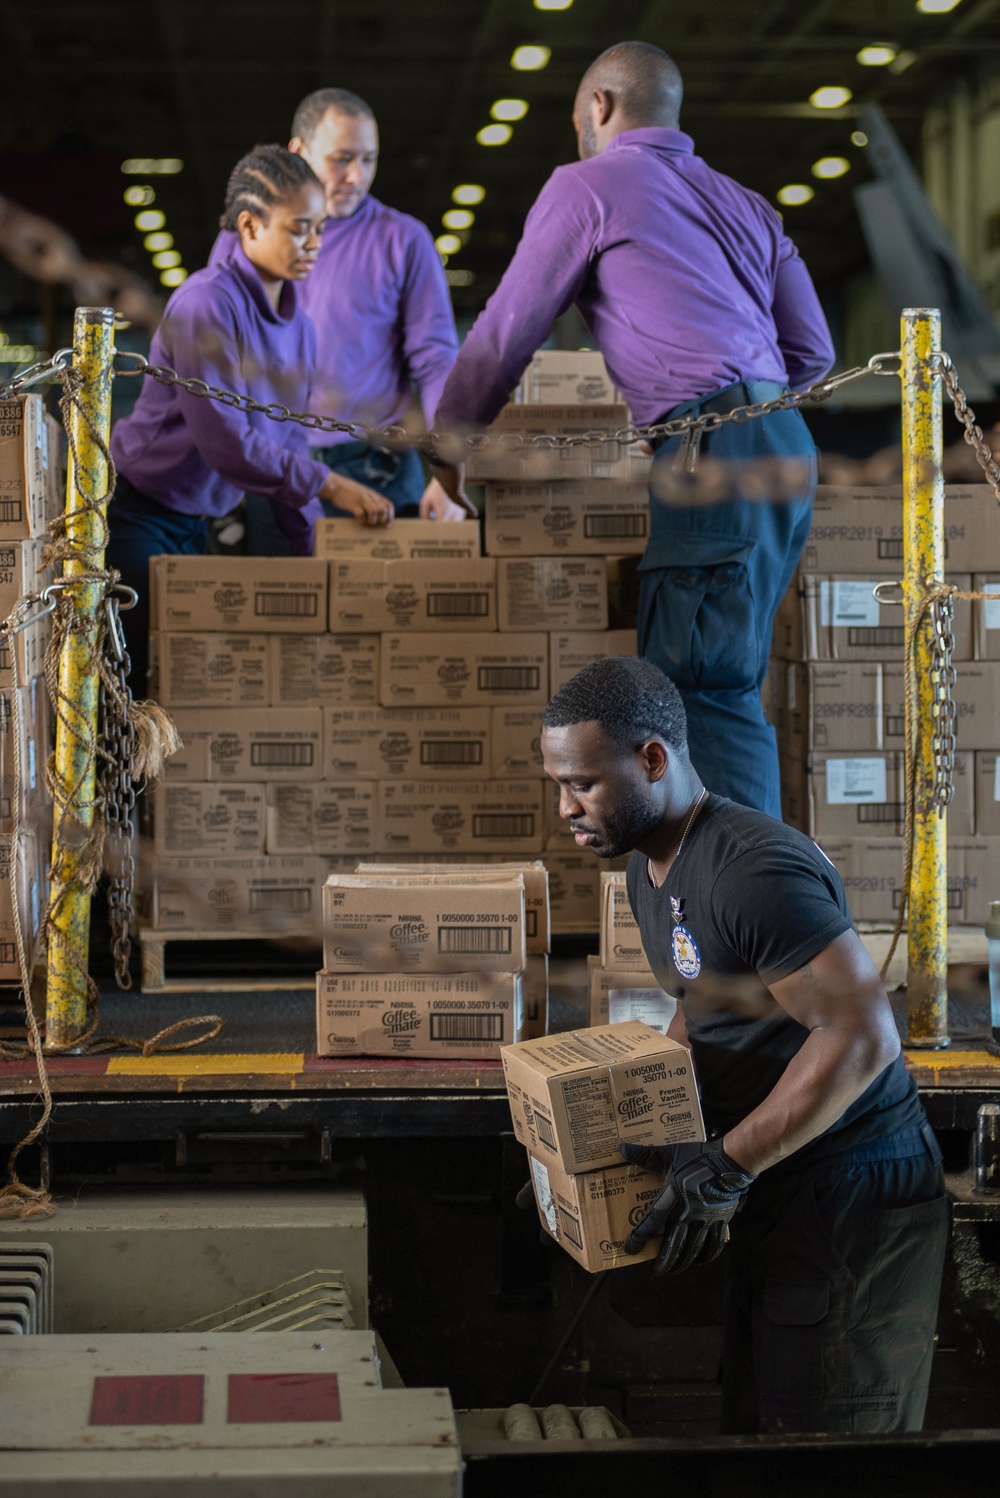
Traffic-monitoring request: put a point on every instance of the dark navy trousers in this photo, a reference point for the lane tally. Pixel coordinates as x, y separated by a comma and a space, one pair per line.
723, 545
399, 476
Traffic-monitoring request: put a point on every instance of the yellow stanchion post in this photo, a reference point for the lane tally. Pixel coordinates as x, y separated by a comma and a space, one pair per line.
923, 567
79, 685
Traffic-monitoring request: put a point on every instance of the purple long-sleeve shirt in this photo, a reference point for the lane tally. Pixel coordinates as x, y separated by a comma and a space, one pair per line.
198, 457
383, 317
685, 279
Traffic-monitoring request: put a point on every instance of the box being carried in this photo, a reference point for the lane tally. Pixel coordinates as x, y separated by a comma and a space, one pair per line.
437, 923
592, 1214
467, 1015
340, 539
264, 595
577, 1097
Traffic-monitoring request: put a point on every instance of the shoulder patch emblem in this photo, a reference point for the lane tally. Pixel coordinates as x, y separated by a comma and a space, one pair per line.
687, 958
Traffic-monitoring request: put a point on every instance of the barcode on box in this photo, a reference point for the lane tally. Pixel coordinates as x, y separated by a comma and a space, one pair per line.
286, 605
11, 510
435, 752
293, 901
883, 635
607, 527
509, 678
570, 1227
467, 1027
895, 727
544, 1129
882, 811
273, 756
458, 605
891, 550
501, 824
482, 941
8, 952
531, 924
955, 901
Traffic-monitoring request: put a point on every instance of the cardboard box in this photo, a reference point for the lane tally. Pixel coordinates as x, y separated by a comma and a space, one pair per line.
590, 517
620, 994
465, 1015
861, 530
840, 619
339, 539
20, 569
576, 1097
324, 670
986, 612
438, 594
555, 830
33, 726
975, 693
564, 377
621, 944
569, 652
830, 705
432, 923
262, 896
332, 817
261, 595
537, 923
861, 795
535, 995
592, 1214
873, 874
26, 489
246, 744
28, 867
515, 743
224, 820
988, 794
425, 670
415, 743
624, 584
29, 647
503, 457
210, 670
552, 593
574, 890
421, 816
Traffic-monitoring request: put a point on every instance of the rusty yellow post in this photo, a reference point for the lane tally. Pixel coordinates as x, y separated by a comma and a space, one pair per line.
76, 724
923, 566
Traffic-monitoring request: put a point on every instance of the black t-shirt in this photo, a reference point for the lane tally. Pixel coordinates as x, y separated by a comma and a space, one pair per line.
748, 902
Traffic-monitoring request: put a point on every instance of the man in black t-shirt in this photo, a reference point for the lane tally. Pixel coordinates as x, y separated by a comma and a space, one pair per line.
817, 1137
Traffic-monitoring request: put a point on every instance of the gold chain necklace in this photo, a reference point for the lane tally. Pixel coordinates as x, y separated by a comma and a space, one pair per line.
680, 846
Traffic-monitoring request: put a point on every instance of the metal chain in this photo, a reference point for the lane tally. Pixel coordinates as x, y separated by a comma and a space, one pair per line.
116, 789
45, 369
965, 414
943, 710
434, 442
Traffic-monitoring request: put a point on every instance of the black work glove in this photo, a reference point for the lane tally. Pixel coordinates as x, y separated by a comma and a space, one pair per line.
703, 1190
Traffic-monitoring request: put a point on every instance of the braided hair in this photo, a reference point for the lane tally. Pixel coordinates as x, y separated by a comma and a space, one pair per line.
266, 176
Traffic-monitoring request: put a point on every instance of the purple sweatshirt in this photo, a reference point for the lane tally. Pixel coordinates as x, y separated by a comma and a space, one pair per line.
199, 457
685, 279
378, 297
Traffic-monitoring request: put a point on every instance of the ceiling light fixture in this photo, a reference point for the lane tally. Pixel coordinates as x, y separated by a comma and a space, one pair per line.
530, 59
858, 138
795, 194
877, 55
509, 109
459, 277
150, 218
494, 135
553, 4
902, 62
159, 241
174, 276
139, 197
831, 96
458, 218
937, 7
166, 259
447, 244
468, 194
152, 166
828, 167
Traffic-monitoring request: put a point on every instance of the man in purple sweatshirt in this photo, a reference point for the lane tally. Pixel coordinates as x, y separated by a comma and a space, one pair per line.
699, 302
382, 312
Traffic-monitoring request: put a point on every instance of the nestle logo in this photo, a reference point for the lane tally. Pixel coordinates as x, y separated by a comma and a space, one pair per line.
400, 1021
230, 596
632, 1108
448, 821
347, 954
607, 1247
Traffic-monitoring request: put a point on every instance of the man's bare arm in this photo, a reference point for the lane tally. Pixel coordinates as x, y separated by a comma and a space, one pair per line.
839, 998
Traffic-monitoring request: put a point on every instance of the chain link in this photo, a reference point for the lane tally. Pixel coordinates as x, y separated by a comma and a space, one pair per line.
944, 713
439, 442
45, 369
116, 789
965, 414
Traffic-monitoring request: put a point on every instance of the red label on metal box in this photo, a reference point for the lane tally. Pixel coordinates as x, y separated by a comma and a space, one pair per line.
148, 1399
273, 1398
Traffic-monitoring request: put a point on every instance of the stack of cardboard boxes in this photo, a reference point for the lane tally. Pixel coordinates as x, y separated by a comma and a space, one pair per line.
575, 1099
622, 985
30, 496
836, 695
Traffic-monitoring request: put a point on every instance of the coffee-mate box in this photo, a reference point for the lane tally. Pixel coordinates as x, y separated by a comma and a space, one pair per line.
26, 460
534, 873
435, 594
221, 820
324, 670
577, 1097
205, 669
621, 944
467, 1016
428, 670
247, 744
591, 1215
552, 593
340, 539
263, 595
491, 816
439, 924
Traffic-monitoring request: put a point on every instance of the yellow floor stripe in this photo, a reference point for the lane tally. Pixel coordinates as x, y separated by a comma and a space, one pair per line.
279, 1062
949, 1059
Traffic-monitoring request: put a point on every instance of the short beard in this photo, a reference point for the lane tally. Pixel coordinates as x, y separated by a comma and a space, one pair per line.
632, 820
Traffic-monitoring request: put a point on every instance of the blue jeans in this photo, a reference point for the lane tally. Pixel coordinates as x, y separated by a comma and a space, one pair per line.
711, 581
833, 1277
140, 528
399, 476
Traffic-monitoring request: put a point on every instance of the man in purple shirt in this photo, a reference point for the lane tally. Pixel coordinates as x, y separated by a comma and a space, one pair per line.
382, 312
699, 302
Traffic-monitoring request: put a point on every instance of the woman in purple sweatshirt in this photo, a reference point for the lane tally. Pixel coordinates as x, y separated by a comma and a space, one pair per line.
182, 459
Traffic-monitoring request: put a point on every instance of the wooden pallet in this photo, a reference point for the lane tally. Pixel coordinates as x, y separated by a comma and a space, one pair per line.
153, 946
